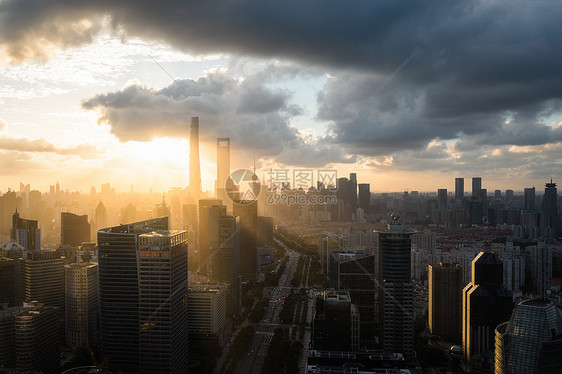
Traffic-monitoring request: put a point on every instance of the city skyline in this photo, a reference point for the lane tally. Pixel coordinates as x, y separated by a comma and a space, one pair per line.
113, 90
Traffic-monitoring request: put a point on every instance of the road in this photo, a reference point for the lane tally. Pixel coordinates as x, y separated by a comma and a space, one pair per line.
253, 361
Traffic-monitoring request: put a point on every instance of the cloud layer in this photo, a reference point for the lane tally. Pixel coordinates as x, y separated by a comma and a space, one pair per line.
409, 82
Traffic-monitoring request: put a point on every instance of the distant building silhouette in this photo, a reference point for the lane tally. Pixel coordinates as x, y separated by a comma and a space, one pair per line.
248, 213
203, 233
476, 186
194, 164
224, 257
75, 229
459, 189
25, 232
529, 199
550, 218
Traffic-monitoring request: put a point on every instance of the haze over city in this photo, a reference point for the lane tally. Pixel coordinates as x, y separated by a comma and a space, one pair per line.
407, 95
306, 187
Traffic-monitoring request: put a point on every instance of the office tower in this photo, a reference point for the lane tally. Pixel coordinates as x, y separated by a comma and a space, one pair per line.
355, 273
203, 233
529, 198
365, 196
224, 261
265, 231
475, 211
476, 187
119, 291
396, 290
335, 326
129, 213
8, 335
74, 230
162, 210
541, 267
459, 189
81, 305
550, 211
206, 305
162, 273
486, 304
248, 214
442, 199
194, 164
347, 193
7, 280
508, 195
25, 232
531, 341
445, 301
40, 277
37, 336
497, 194
223, 162
100, 216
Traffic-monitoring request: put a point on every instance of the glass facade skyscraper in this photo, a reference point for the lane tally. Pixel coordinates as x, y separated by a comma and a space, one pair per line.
119, 291
396, 290
531, 342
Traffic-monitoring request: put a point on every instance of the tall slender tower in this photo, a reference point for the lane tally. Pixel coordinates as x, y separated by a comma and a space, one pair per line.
459, 189
223, 161
550, 211
396, 290
194, 164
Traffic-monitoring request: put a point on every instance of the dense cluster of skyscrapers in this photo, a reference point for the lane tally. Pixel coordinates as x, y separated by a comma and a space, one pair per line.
126, 293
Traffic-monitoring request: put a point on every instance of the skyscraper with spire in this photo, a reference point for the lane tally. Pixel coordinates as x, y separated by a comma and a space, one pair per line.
194, 164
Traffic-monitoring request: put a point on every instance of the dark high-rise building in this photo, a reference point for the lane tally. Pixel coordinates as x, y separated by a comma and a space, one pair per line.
40, 277
224, 258
203, 232
347, 194
194, 164
162, 311
74, 229
335, 326
486, 304
445, 301
529, 198
365, 196
442, 199
248, 213
550, 210
37, 333
497, 194
81, 305
119, 291
476, 186
25, 232
396, 290
531, 342
459, 189
508, 195
355, 273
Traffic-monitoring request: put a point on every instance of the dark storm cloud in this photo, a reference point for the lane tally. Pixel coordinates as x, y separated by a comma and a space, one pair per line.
404, 73
256, 117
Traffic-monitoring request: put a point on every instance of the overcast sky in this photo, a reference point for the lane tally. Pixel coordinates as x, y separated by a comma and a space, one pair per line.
409, 95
